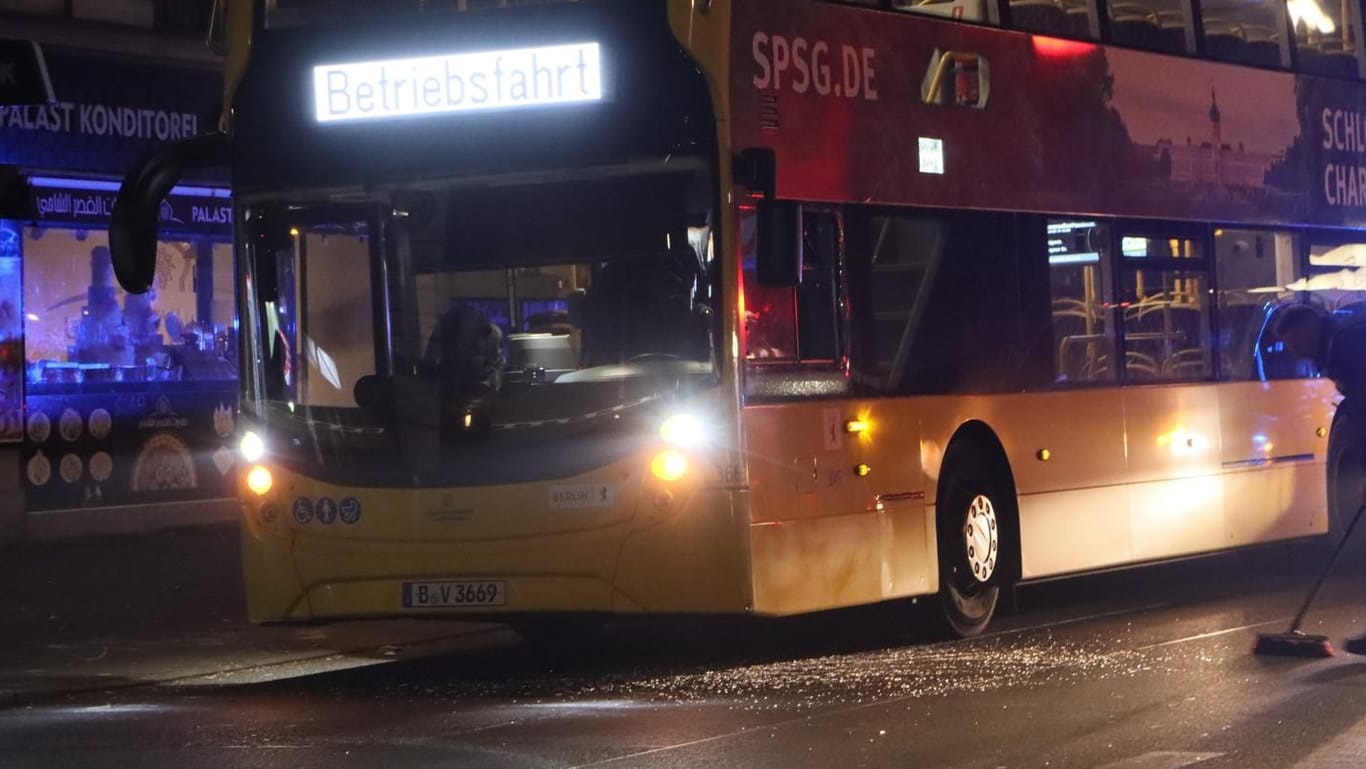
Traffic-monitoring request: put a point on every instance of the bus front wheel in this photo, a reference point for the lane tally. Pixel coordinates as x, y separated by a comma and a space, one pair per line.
1346, 473
974, 536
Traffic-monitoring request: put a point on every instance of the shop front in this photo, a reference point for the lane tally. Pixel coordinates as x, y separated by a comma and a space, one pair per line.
118, 402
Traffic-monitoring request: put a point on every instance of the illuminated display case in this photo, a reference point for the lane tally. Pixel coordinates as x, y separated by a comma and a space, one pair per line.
130, 398
116, 399
11, 336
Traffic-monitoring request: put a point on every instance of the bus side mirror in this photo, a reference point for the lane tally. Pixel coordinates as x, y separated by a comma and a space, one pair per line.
779, 248
135, 221
779, 253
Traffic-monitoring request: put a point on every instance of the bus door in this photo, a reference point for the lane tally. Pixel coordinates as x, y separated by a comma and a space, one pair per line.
1171, 407
1270, 416
802, 463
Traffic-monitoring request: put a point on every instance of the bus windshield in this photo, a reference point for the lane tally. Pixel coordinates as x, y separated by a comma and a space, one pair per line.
453, 325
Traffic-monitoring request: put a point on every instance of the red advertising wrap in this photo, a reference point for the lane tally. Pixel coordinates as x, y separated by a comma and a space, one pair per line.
899, 108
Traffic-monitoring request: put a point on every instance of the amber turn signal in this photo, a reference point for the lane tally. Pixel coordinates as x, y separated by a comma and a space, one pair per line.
259, 480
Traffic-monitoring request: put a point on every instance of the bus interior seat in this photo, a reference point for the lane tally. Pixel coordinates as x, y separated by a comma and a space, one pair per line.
1224, 42
1039, 16
1144, 366
1333, 64
1083, 358
1135, 25
1190, 363
1078, 21
1263, 53
552, 352
640, 306
1172, 30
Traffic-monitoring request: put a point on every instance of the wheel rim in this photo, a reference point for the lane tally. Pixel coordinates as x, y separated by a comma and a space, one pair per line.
981, 539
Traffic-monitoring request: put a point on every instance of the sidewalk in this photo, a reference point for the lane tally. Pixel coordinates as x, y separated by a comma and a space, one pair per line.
161, 607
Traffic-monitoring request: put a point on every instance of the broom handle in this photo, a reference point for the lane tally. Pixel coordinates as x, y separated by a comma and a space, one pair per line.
1327, 569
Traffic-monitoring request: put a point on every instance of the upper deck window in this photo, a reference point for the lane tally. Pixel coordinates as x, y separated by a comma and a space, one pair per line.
1245, 32
1070, 18
1323, 36
962, 10
1157, 25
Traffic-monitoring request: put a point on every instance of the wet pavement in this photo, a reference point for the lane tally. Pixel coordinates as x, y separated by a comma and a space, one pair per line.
1145, 669
142, 609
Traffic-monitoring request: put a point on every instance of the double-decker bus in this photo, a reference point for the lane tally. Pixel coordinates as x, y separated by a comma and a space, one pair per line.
615, 307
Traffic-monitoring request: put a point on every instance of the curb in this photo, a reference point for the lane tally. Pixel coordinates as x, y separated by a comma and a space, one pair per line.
14, 698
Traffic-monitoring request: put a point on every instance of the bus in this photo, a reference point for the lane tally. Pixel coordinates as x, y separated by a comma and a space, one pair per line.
599, 308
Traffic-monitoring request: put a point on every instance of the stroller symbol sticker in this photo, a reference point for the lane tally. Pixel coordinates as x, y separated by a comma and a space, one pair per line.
350, 511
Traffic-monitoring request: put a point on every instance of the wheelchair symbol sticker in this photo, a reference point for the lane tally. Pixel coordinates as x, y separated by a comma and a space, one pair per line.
303, 511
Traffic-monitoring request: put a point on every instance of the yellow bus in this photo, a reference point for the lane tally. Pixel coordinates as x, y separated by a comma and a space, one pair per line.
620, 307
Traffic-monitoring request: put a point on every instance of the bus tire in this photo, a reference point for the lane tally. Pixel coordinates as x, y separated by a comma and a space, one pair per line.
975, 538
1346, 472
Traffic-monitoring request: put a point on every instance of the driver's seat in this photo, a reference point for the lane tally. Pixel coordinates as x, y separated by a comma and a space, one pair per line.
640, 307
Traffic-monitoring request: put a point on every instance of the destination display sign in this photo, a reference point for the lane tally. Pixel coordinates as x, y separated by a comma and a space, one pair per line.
466, 82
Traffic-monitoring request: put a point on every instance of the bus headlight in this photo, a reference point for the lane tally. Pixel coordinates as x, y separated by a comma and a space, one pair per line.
684, 430
669, 465
259, 480
252, 447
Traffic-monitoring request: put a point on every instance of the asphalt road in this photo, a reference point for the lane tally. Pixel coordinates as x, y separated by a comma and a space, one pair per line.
1145, 669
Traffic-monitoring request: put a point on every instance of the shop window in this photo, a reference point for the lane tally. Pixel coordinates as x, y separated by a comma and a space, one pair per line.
1166, 310
1246, 33
1079, 277
1256, 270
82, 329
11, 336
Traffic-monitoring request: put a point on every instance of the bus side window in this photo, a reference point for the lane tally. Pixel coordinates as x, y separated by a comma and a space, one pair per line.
818, 293
1165, 306
796, 323
276, 289
1255, 269
769, 312
1079, 287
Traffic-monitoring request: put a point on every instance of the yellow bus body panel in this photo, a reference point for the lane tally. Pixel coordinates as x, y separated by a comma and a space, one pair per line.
656, 547
1104, 478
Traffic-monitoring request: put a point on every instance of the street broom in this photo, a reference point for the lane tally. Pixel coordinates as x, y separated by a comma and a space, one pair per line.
1293, 642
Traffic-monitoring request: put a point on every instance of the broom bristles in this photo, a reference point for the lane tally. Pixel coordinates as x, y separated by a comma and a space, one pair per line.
1293, 645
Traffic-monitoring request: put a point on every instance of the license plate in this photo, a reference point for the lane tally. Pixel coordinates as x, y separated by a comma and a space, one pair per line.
440, 595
